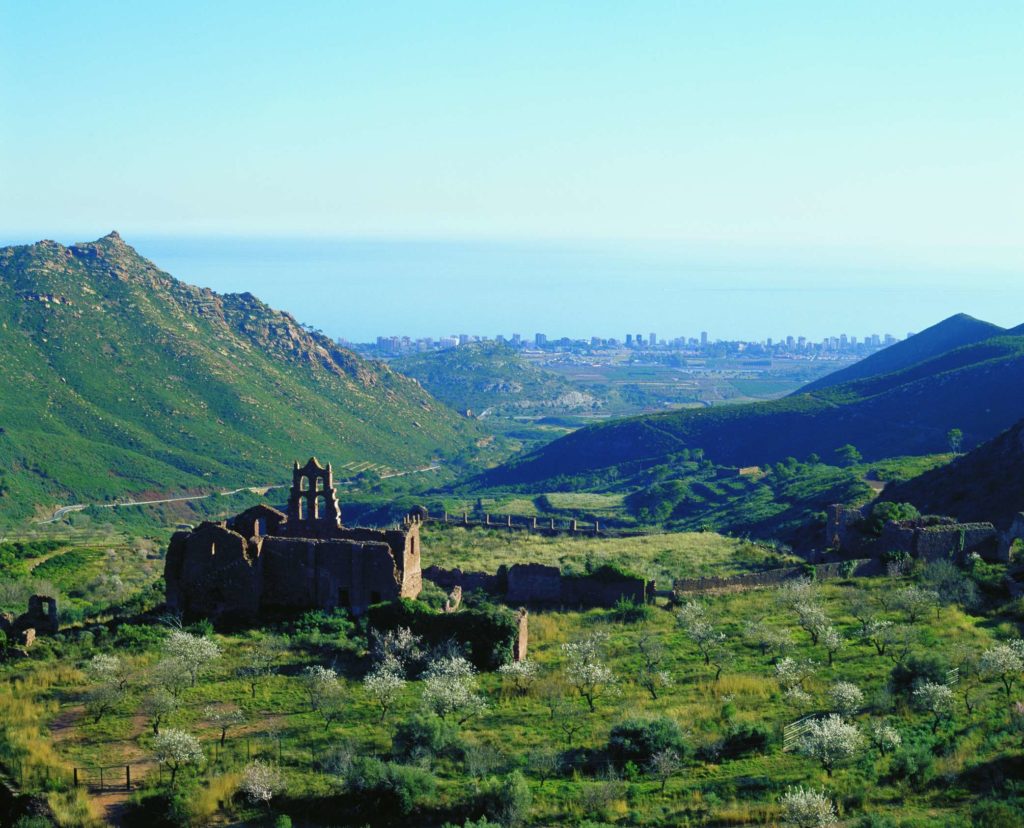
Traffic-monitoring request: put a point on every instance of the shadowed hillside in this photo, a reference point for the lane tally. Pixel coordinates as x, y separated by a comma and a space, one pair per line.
985, 484
117, 378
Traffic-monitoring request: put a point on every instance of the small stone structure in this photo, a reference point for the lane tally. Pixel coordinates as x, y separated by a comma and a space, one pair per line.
264, 561
929, 539
40, 619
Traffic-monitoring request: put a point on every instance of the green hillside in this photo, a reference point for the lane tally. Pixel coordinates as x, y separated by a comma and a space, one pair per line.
947, 335
976, 388
493, 378
116, 378
985, 484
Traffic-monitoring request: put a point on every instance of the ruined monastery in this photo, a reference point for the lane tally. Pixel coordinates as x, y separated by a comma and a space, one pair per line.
264, 562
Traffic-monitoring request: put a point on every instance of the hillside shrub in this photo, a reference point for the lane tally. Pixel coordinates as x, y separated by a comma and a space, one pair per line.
882, 513
637, 740
422, 736
745, 739
506, 800
488, 631
628, 611
383, 791
914, 764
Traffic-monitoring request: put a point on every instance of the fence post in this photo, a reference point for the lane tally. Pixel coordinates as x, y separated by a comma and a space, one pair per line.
76, 777
101, 779
127, 777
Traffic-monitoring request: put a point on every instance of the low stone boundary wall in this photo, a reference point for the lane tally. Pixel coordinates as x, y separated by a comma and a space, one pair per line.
770, 577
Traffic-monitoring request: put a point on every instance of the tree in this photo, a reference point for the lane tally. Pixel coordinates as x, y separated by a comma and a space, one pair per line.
544, 762
832, 640
650, 675
261, 661
812, 619
261, 782
699, 628
585, 668
846, 699
848, 455
224, 718
862, 608
383, 684
158, 705
170, 675
884, 736
522, 674
109, 669
195, 653
102, 699
806, 808
1005, 662
570, 720
177, 749
322, 689
398, 645
936, 699
450, 689
915, 602
955, 438
664, 765
767, 637
830, 741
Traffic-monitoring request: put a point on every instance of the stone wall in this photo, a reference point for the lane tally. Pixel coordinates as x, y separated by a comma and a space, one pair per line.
768, 578
538, 584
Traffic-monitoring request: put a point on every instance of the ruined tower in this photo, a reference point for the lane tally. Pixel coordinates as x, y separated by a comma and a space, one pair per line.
313, 503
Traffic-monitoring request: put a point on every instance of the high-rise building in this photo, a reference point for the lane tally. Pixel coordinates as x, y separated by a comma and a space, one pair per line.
540, 339
703, 339
629, 340
653, 340
463, 339
639, 340
516, 339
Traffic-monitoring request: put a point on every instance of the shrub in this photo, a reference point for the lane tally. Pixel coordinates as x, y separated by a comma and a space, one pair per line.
915, 670
742, 740
421, 736
914, 763
885, 511
385, 790
637, 740
507, 800
628, 611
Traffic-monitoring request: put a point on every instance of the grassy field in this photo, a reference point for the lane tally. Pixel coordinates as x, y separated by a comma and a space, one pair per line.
710, 789
659, 556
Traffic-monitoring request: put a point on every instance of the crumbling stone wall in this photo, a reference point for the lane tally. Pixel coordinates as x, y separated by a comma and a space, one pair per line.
40, 618
768, 578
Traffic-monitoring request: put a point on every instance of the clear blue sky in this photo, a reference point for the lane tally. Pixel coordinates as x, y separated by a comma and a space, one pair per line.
883, 131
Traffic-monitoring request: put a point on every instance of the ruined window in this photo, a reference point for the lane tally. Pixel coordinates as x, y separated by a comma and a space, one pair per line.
319, 484
321, 507
302, 508
304, 484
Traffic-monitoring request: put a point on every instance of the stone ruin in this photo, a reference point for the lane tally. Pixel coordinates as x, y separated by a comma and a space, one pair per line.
264, 562
929, 539
41, 619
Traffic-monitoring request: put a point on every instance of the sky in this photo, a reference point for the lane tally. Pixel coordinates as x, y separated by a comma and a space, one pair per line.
800, 140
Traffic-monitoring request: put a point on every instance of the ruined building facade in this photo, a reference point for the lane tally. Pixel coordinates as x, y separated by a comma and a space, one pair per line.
264, 562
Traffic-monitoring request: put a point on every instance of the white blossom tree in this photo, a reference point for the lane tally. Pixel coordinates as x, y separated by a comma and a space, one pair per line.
585, 668
700, 629
832, 640
1004, 662
884, 736
261, 782
664, 765
158, 705
830, 741
915, 601
450, 689
812, 619
224, 718
522, 674
399, 645
846, 699
322, 689
109, 669
177, 749
195, 653
936, 699
807, 808
652, 676
767, 637
383, 684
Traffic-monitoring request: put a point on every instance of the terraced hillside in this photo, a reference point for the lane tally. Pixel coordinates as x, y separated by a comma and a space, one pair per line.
117, 378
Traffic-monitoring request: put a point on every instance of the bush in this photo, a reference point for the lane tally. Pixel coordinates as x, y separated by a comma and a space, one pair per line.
742, 740
996, 814
637, 740
915, 670
421, 736
885, 511
384, 790
914, 764
283, 821
627, 611
506, 800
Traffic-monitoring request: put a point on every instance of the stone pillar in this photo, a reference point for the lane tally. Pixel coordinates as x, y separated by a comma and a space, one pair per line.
509, 521
597, 527
534, 524
487, 519
522, 637
552, 523
465, 518
445, 517
572, 525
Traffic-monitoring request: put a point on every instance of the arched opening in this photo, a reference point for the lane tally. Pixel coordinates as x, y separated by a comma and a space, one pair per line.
304, 484
321, 507
302, 508
319, 484
261, 527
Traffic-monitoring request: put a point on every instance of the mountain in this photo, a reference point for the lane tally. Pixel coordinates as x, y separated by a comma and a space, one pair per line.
493, 378
951, 333
117, 378
984, 484
978, 388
